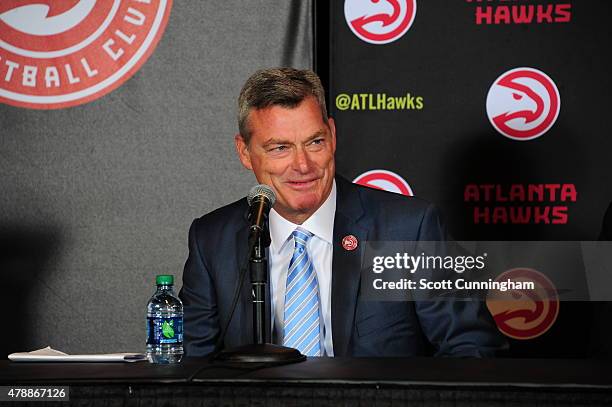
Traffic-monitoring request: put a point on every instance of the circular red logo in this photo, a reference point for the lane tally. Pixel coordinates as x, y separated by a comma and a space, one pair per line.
385, 180
524, 314
350, 242
55, 54
523, 104
379, 21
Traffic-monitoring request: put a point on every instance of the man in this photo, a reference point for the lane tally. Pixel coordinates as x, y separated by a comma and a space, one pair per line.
288, 141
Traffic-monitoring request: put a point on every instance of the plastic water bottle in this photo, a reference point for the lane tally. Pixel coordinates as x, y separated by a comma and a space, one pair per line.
164, 323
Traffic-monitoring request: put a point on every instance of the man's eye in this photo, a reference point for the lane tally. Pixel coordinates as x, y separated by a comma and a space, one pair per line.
318, 141
278, 148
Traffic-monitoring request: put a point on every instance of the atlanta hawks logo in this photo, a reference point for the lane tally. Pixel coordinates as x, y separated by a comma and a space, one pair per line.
524, 314
385, 180
523, 104
379, 21
55, 54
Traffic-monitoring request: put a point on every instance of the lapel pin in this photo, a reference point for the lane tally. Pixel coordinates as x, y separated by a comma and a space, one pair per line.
349, 242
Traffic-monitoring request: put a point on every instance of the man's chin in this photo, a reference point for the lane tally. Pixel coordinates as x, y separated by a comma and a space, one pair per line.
305, 205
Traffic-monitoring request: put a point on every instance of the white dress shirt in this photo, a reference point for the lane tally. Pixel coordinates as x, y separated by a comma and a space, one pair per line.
319, 247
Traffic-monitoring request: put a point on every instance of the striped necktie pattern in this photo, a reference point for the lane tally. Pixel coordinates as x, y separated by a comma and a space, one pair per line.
302, 329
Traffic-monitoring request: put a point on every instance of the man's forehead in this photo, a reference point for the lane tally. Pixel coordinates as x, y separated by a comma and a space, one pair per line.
287, 107
306, 117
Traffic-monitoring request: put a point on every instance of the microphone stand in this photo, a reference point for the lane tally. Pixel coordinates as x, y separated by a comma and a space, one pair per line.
260, 351
258, 265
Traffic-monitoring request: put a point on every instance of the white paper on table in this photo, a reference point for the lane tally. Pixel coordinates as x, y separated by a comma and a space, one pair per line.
49, 354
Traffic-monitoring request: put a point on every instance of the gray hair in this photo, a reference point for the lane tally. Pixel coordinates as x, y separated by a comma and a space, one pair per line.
286, 87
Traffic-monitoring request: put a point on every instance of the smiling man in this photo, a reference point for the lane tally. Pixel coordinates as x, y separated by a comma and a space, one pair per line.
318, 227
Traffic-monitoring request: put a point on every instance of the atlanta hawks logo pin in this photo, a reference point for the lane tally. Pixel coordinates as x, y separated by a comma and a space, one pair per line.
350, 242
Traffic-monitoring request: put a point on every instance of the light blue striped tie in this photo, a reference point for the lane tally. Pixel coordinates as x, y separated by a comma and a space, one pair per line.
302, 319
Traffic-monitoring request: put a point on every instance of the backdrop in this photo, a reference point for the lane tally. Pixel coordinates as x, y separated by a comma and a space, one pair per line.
495, 110
117, 121
96, 199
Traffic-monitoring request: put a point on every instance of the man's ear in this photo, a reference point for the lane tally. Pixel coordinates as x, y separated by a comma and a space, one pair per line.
242, 148
332, 128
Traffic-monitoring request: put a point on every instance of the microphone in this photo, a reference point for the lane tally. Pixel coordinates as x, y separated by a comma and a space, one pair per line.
261, 198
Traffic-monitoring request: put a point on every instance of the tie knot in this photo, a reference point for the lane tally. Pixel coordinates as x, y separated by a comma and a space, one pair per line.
301, 236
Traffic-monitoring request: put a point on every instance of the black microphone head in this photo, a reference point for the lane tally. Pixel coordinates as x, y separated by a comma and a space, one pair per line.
261, 190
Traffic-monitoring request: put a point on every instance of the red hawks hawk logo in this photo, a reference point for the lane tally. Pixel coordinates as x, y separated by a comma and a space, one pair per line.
60, 53
523, 104
385, 180
379, 21
524, 314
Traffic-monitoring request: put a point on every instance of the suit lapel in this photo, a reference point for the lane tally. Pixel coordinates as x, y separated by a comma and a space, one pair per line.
346, 264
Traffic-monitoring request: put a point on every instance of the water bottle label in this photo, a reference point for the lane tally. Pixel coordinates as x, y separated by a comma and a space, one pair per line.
164, 330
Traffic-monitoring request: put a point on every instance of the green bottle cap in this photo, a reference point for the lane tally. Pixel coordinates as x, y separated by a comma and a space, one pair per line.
164, 279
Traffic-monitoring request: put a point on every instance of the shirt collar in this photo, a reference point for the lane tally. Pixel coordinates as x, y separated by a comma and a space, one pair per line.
320, 224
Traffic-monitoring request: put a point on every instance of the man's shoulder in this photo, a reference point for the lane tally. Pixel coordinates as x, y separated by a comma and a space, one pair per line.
391, 216
231, 216
380, 200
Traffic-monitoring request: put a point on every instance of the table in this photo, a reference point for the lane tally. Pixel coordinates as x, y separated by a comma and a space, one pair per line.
327, 382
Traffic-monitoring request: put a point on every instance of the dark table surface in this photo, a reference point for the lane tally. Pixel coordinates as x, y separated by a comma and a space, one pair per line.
75, 372
469, 373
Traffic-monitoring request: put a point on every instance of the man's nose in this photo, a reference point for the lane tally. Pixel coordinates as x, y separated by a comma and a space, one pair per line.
301, 162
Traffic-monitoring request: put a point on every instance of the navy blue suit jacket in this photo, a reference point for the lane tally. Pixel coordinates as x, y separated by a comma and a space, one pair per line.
217, 248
